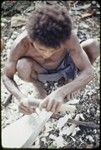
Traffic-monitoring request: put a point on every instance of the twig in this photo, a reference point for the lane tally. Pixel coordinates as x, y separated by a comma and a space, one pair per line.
86, 124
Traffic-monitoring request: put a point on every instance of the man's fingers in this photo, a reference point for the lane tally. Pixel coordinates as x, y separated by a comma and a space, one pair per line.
24, 112
26, 109
53, 109
43, 104
49, 105
22, 107
58, 107
68, 97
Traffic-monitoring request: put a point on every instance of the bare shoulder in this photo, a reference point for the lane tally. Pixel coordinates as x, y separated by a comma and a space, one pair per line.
18, 50
20, 46
77, 53
20, 38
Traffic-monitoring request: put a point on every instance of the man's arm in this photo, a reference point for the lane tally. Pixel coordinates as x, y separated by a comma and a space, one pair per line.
8, 80
12, 87
16, 53
82, 62
54, 101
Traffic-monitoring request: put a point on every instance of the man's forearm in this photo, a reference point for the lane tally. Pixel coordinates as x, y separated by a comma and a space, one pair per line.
79, 82
39, 90
12, 87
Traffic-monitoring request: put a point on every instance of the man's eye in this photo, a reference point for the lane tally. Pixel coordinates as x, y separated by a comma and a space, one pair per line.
41, 49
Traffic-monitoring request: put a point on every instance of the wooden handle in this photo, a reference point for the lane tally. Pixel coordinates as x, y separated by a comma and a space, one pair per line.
64, 107
35, 102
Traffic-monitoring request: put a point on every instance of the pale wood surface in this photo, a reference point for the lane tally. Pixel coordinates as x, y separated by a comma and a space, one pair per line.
24, 131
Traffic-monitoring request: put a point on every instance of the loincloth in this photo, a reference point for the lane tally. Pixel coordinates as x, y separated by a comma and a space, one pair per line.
66, 69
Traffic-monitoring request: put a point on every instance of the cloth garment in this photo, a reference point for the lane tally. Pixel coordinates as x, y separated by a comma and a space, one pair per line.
66, 69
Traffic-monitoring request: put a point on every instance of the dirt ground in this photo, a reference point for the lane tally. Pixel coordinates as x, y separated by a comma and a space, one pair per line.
86, 23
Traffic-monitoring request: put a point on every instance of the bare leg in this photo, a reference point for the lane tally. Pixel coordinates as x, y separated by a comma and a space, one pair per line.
92, 50
91, 47
27, 71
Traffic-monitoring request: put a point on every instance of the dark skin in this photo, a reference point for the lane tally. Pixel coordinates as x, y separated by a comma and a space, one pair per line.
24, 54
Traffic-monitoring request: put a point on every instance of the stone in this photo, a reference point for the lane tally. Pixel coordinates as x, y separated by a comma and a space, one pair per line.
90, 138
17, 21
2, 24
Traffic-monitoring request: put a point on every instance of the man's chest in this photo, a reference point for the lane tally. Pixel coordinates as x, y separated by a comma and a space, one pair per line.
50, 62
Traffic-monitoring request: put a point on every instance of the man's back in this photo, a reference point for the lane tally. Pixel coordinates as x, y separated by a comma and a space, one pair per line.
23, 47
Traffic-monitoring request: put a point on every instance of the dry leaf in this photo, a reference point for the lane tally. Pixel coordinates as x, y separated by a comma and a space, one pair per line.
74, 101
68, 108
63, 120
81, 116
89, 137
71, 129
59, 142
74, 132
64, 130
88, 14
17, 21
53, 137
82, 7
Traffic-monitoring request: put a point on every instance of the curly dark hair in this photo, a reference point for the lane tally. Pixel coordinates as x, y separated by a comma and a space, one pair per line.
50, 25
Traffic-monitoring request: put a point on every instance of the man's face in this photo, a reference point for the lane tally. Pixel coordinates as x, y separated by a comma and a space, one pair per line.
45, 51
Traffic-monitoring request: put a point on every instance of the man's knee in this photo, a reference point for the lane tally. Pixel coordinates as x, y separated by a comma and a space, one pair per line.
89, 43
24, 69
91, 47
95, 48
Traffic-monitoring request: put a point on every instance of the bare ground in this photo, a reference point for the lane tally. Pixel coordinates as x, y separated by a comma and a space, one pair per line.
88, 107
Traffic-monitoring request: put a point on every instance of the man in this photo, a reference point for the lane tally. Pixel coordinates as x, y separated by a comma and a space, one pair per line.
49, 50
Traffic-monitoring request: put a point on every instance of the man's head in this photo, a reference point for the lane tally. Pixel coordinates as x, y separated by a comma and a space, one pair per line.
50, 26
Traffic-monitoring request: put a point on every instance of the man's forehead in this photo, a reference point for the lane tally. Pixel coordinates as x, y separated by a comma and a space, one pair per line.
41, 46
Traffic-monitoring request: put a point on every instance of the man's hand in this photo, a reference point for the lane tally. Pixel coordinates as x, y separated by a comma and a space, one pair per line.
53, 101
25, 108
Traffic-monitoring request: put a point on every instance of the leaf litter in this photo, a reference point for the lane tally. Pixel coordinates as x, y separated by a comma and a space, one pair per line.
58, 133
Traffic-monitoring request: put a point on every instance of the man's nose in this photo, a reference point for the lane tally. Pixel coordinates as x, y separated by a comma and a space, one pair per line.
48, 53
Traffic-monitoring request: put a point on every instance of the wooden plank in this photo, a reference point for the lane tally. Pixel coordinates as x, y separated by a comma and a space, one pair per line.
42, 119
24, 131
14, 135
